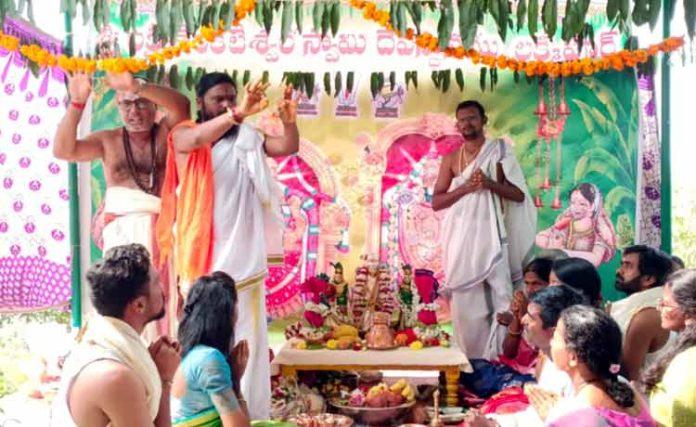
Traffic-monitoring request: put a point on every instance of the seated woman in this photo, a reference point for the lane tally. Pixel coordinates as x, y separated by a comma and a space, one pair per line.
579, 274
671, 381
587, 346
517, 353
205, 388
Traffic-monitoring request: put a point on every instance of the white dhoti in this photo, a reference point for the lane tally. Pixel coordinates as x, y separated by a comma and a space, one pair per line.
486, 241
130, 216
245, 201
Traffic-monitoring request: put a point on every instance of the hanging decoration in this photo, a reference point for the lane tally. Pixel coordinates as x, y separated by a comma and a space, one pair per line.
552, 117
329, 18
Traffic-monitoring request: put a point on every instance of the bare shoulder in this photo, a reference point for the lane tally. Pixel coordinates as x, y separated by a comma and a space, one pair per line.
107, 378
644, 321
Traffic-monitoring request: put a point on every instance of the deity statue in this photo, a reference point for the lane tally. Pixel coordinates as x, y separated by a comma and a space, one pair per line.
584, 229
341, 298
405, 298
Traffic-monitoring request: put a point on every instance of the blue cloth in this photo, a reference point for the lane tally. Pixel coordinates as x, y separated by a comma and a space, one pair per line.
208, 384
490, 378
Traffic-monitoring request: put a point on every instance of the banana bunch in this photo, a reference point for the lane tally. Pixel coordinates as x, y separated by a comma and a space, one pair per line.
377, 390
345, 331
404, 388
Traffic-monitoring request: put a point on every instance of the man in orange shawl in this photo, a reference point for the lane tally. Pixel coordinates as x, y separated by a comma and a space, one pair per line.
220, 205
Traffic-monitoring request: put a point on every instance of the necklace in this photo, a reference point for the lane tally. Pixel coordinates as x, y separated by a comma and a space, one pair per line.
468, 161
152, 184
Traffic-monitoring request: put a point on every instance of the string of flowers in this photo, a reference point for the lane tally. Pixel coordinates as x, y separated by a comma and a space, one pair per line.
44, 58
586, 66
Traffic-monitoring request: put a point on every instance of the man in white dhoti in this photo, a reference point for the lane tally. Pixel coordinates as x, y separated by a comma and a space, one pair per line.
488, 230
133, 156
227, 204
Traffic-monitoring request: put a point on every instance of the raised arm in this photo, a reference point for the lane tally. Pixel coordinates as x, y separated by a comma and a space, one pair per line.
187, 139
289, 142
66, 146
175, 104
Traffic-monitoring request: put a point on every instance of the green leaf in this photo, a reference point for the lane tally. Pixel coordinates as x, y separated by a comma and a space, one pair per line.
690, 17
325, 20
349, 81
445, 80
459, 76
286, 20
533, 18
401, 14
335, 17
435, 77
373, 85
482, 78
521, 13
414, 77
337, 84
267, 16
234, 78
317, 14
161, 71
200, 16
264, 77
246, 77
309, 84
176, 18
189, 18
504, 18
393, 16
549, 16
151, 74
392, 80
299, 15
131, 44
200, 71
174, 77
190, 83
227, 13
612, 9
407, 78
467, 23
445, 24
34, 68
97, 14
327, 83
126, 18
415, 10
616, 196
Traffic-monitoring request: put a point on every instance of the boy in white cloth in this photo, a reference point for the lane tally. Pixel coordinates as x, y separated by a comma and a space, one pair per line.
111, 377
489, 228
246, 208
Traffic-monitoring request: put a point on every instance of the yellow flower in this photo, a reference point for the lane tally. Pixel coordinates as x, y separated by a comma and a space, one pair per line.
416, 345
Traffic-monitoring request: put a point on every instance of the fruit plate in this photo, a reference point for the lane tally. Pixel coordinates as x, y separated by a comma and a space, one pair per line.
392, 415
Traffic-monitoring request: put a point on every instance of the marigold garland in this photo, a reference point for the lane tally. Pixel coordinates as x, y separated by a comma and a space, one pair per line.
586, 66
44, 58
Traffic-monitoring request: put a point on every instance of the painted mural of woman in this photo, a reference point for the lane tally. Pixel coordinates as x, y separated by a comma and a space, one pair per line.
583, 230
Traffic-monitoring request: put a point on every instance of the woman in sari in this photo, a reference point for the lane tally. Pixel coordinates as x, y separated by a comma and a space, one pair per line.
587, 346
206, 387
671, 380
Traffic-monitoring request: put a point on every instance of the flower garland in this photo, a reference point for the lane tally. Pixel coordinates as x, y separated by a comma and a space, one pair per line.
587, 66
44, 58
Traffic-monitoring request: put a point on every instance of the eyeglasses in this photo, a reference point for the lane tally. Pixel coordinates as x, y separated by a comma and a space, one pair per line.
139, 104
662, 304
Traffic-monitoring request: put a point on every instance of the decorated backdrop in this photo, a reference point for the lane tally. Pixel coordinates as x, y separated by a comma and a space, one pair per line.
362, 181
